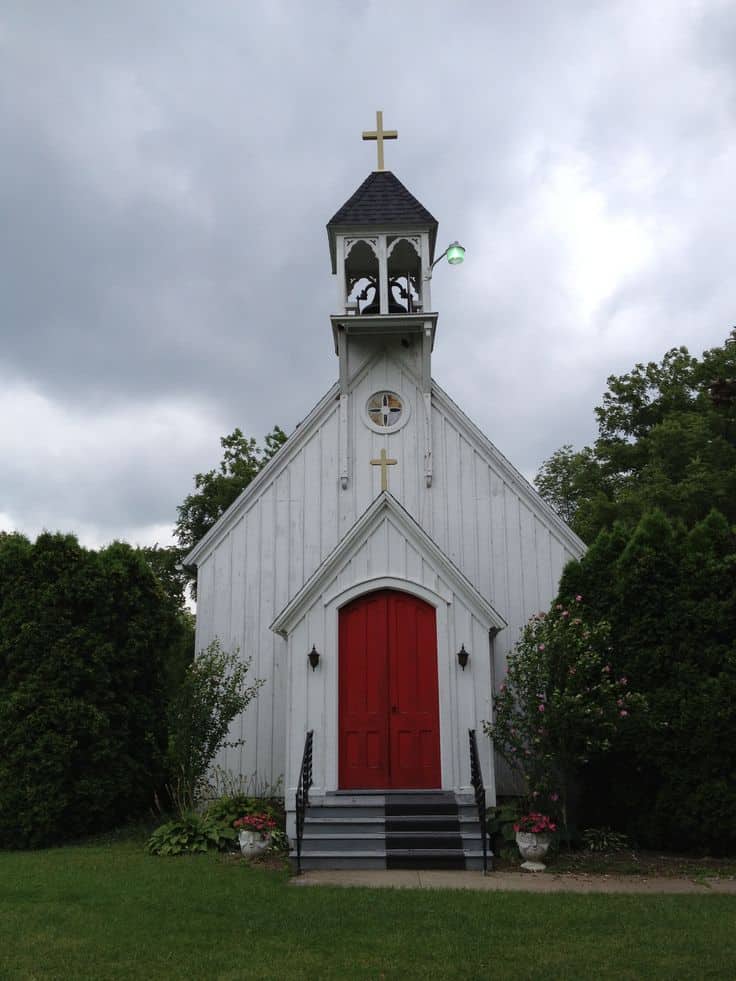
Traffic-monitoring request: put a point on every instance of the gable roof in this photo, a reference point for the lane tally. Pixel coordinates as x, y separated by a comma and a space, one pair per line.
385, 504
326, 405
277, 463
383, 201
533, 499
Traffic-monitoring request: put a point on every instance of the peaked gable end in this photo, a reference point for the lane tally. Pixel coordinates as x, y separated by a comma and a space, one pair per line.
386, 517
288, 451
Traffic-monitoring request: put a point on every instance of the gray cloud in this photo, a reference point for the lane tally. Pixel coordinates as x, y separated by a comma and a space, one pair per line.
166, 178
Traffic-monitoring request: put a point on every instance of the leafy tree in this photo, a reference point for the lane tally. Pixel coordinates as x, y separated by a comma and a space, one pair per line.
666, 440
570, 481
165, 563
216, 490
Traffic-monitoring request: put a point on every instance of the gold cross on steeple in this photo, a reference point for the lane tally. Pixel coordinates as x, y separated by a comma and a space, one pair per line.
379, 135
384, 463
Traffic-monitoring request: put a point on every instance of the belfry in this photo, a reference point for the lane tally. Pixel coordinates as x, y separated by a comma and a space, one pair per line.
378, 571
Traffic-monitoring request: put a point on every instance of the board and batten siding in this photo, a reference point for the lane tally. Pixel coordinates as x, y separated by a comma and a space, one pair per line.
479, 511
390, 552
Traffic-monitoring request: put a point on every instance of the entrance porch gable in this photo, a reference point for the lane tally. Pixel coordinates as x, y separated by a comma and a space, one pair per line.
386, 549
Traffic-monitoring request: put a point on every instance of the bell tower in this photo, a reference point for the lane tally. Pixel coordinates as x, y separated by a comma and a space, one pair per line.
382, 244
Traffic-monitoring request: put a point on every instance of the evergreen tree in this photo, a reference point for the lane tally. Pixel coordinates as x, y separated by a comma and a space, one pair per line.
85, 644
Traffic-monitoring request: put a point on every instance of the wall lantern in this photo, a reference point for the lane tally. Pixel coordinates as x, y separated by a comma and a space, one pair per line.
462, 657
313, 657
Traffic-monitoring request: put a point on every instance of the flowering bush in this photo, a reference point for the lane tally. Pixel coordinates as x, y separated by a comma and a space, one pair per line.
535, 823
561, 702
260, 823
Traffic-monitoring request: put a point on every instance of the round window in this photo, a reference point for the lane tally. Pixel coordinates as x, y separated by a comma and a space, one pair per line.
386, 411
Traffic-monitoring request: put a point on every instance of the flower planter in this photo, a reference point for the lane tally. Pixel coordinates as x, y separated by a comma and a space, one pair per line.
253, 843
533, 848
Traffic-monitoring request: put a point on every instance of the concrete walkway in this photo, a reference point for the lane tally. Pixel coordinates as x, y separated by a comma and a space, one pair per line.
514, 881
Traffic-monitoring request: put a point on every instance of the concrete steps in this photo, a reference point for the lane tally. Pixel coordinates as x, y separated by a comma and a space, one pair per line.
395, 830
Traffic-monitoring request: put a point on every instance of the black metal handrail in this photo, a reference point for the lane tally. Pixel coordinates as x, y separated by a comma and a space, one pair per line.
302, 797
476, 778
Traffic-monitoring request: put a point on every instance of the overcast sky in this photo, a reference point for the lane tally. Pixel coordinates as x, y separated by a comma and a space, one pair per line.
167, 169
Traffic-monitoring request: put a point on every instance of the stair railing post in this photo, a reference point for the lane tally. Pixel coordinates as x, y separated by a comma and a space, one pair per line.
476, 778
302, 797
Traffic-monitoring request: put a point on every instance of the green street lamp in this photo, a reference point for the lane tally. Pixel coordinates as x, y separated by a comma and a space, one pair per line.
455, 254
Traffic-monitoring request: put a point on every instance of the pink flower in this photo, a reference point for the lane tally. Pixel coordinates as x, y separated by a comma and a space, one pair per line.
541, 647
623, 681
554, 796
619, 702
623, 713
541, 708
578, 598
565, 613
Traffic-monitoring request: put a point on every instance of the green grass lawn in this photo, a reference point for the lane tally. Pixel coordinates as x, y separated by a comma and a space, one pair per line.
110, 911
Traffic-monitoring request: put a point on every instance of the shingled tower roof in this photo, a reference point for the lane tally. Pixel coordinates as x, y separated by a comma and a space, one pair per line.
381, 200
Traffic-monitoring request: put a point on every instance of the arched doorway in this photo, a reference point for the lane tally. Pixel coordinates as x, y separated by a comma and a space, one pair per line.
388, 693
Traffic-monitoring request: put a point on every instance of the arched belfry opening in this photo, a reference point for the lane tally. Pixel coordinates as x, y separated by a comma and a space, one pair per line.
362, 288
364, 273
404, 262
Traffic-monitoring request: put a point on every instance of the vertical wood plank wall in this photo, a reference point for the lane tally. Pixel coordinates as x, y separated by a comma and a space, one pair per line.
499, 537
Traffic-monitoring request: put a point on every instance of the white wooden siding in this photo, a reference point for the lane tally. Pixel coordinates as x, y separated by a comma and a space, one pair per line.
478, 510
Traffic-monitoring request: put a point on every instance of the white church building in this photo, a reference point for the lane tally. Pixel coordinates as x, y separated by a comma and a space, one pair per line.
378, 571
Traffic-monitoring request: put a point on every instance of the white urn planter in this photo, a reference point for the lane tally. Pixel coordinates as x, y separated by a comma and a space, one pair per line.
533, 848
252, 843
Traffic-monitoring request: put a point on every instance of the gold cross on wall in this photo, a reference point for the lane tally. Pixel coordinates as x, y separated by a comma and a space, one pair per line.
379, 135
384, 464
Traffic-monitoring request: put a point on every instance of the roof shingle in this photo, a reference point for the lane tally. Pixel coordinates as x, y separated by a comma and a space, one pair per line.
381, 200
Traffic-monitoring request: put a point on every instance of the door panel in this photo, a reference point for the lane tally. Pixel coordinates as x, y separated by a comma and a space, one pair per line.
414, 721
363, 693
389, 704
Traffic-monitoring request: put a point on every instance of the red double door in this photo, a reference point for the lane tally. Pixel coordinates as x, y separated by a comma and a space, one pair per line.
389, 704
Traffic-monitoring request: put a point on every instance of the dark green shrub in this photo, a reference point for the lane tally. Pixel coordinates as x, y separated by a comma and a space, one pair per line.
670, 778
84, 642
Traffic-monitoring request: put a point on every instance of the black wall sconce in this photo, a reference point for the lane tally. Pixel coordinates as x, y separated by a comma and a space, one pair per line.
462, 657
313, 657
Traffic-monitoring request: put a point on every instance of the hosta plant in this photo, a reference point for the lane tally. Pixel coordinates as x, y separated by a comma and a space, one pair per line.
604, 840
189, 835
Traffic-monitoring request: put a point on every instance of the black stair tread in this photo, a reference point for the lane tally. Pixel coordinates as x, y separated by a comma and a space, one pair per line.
452, 834
420, 807
426, 835
452, 843
421, 820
